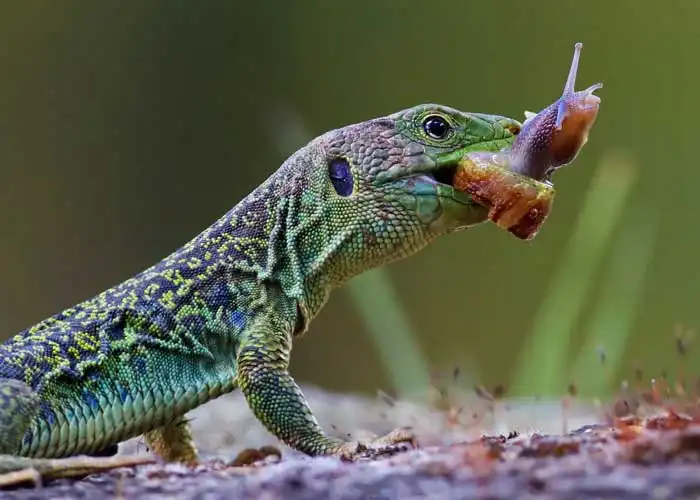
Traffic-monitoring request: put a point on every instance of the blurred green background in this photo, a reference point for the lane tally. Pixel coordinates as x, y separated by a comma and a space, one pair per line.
128, 127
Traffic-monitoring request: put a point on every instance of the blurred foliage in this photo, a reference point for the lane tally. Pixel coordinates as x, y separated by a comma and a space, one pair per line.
128, 127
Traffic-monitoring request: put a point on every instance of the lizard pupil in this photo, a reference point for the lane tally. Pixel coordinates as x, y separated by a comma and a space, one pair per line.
436, 127
341, 176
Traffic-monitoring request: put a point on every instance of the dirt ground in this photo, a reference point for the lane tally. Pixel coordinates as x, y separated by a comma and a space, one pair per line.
477, 449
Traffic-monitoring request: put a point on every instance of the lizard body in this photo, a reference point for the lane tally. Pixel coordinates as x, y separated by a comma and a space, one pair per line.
221, 312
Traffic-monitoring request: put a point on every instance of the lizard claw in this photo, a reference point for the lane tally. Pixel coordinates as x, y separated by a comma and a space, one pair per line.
396, 441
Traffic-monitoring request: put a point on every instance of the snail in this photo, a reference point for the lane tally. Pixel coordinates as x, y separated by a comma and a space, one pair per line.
516, 183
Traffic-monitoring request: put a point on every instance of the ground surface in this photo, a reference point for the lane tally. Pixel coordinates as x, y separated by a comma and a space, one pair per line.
628, 458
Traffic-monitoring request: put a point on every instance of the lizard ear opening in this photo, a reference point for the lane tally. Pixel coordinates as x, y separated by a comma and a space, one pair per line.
341, 176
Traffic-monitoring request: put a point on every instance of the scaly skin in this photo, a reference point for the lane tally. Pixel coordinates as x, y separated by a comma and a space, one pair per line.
221, 312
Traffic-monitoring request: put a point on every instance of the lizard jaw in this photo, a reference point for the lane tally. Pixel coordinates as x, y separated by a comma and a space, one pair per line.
441, 206
441, 181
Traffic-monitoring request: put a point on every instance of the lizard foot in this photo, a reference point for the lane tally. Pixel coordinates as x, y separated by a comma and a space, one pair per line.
396, 441
34, 471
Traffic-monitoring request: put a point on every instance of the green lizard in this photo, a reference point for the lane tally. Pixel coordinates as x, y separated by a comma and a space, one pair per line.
221, 312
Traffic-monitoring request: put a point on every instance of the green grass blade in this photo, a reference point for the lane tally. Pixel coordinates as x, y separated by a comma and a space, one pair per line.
394, 339
612, 320
543, 360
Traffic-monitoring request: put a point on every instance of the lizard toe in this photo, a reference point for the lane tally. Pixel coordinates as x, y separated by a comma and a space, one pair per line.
397, 441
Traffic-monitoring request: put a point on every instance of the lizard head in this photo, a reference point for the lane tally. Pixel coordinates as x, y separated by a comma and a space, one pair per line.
396, 173
379, 190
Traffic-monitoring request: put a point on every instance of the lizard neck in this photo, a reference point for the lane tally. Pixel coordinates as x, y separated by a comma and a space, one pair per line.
258, 248
294, 235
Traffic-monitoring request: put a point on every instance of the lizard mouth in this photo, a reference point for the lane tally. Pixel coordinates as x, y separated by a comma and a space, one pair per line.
439, 183
439, 204
444, 175
439, 180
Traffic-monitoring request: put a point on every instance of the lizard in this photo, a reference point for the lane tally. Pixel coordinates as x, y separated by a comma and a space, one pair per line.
221, 312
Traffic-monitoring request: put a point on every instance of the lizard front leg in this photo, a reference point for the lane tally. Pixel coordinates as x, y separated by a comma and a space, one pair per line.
278, 402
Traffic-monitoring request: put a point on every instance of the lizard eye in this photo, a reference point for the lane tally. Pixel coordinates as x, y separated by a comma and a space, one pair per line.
436, 127
341, 176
